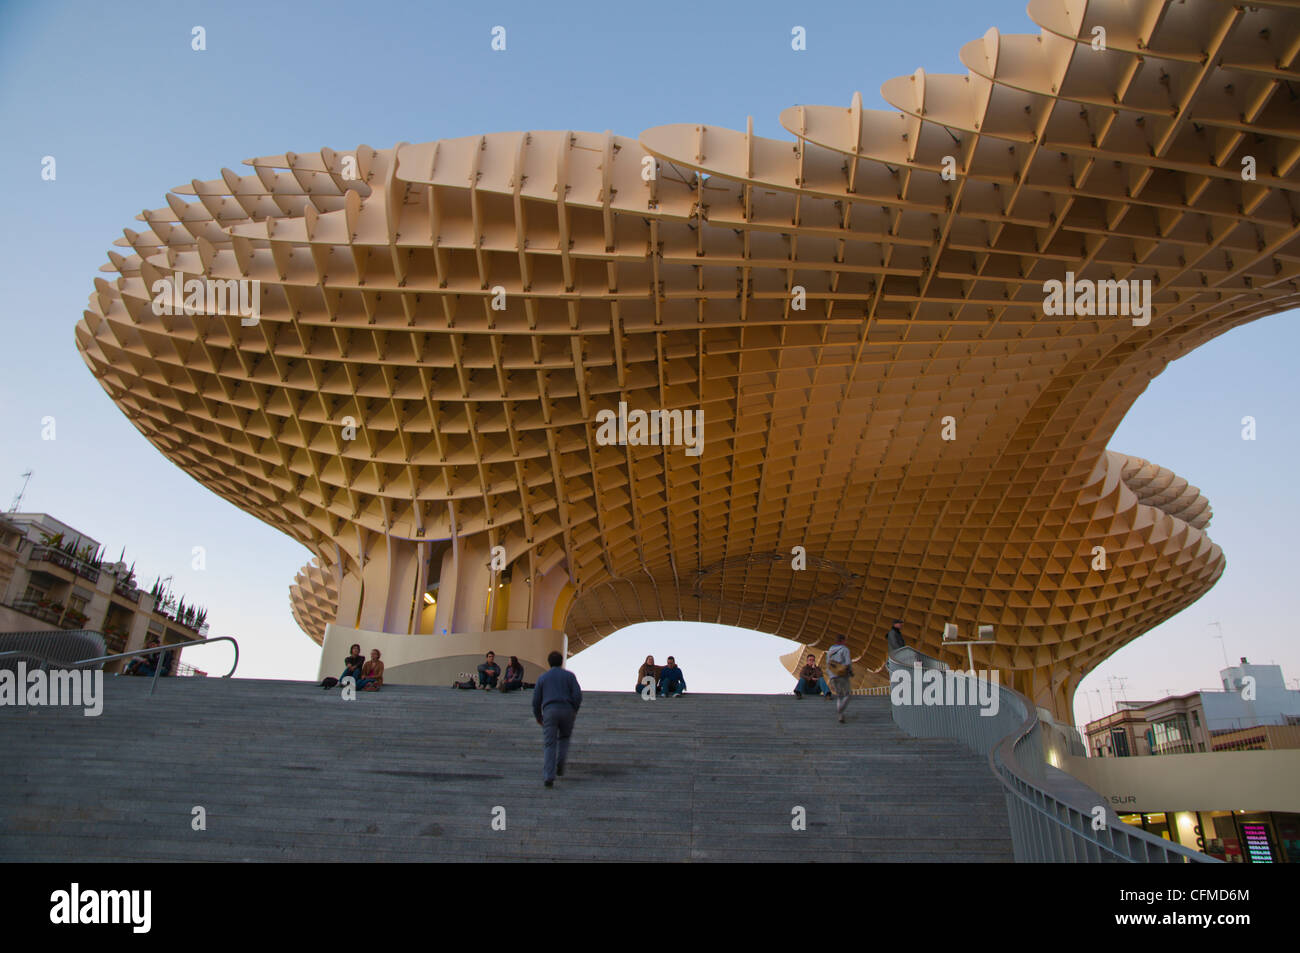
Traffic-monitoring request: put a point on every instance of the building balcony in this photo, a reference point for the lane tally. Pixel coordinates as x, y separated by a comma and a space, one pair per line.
114, 639
127, 591
1175, 747
47, 554
53, 613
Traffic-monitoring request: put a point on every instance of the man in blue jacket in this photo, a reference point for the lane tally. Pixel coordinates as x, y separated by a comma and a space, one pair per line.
671, 680
557, 696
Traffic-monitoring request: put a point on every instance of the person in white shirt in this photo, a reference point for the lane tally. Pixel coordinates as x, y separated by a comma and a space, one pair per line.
839, 664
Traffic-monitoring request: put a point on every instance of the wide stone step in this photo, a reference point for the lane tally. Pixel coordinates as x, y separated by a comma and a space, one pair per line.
287, 771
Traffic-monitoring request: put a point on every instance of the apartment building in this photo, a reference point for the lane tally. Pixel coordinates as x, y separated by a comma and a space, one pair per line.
53, 576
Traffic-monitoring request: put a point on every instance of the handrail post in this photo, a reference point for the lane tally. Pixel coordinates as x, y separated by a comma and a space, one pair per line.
157, 667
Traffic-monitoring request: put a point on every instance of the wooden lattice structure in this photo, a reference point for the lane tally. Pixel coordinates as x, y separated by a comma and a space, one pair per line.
473, 304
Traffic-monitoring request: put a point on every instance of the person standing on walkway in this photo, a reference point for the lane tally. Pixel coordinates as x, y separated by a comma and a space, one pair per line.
894, 637
839, 662
557, 696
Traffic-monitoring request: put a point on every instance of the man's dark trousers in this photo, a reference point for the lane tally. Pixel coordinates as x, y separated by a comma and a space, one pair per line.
557, 726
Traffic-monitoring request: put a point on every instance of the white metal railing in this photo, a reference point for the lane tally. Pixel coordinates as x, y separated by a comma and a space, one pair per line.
1051, 815
100, 660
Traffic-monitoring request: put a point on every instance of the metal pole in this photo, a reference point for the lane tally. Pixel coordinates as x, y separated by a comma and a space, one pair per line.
158, 659
1222, 644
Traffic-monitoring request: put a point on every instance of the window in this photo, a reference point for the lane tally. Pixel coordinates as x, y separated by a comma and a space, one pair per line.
1119, 740
1171, 735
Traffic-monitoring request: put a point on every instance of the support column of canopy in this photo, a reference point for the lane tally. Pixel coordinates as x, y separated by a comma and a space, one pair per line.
475, 610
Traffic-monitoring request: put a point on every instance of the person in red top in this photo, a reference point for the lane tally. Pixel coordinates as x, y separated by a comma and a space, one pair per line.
372, 675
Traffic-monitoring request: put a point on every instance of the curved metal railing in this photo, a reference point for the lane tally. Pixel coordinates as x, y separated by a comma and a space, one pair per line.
1053, 817
103, 659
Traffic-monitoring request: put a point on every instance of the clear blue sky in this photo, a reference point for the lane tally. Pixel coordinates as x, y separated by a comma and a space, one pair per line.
115, 93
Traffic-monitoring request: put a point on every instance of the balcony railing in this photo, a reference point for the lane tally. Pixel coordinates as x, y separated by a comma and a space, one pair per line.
126, 591
37, 611
55, 615
48, 554
191, 626
114, 640
1175, 747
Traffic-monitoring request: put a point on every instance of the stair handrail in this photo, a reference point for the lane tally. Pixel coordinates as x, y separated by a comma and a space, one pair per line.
1049, 819
104, 659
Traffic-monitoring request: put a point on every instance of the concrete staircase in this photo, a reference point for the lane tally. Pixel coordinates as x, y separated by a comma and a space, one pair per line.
288, 771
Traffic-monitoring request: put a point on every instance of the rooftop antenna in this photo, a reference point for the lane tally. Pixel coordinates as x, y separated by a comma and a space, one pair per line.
1088, 699
1121, 679
1222, 644
18, 497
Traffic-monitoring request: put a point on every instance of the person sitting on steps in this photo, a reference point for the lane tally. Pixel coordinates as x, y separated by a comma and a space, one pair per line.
811, 681
648, 670
145, 664
513, 680
671, 680
489, 672
372, 674
352, 666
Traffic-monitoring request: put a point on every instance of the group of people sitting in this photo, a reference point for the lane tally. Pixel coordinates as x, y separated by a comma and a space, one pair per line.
160, 662
667, 679
367, 675
490, 676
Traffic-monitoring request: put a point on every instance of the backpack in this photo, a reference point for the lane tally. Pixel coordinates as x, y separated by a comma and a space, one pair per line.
839, 661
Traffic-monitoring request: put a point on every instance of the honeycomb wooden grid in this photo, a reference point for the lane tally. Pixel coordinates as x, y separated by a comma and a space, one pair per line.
824, 428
